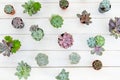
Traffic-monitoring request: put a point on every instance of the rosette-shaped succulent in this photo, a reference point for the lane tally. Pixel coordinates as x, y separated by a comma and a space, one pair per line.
17, 23
114, 27
9, 9
97, 64
31, 7
97, 43
84, 17
65, 40
56, 21
42, 59
100, 41
74, 58
23, 70
63, 4
36, 32
9, 46
91, 42
104, 6
63, 75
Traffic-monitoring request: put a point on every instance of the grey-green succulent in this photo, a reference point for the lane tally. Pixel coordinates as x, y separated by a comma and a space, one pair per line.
42, 59
74, 58
23, 70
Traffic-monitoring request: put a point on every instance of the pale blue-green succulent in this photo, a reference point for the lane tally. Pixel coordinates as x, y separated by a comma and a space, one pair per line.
74, 58
42, 59
104, 6
91, 42
63, 75
23, 70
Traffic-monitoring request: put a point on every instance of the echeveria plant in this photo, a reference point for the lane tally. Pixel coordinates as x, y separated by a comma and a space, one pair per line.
63, 4
74, 58
9, 9
9, 45
23, 70
97, 43
31, 7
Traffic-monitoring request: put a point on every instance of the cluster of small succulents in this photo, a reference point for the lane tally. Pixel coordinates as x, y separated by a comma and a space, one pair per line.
23, 70
64, 4
114, 27
9, 45
31, 7
65, 40
104, 6
42, 59
97, 64
36, 32
17, 23
9, 9
63, 75
56, 21
84, 17
74, 58
97, 43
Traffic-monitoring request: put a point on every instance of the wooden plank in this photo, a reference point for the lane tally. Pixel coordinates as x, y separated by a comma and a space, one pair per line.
76, 73
61, 58
49, 9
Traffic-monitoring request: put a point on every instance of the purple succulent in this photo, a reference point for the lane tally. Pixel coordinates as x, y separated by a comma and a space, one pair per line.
65, 40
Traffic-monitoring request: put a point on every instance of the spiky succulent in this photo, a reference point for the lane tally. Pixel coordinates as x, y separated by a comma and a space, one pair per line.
114, 27
97, 43
42, 59
23, 70
65, 40
9, 45
9, 9
56, 21
63, 4
84, 17
31, 7
36, 32
74, 58
104, 6
63, 75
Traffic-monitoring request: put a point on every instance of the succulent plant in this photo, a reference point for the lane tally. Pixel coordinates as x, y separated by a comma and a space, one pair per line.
65, 40
36, 32
9, 46
17, 23
104, 6
84, 17
114, 27
23, 70
63, 75
97, 43
97, 64
63, 4
56, 21
9, 9
42, 59
74, 58
31, 7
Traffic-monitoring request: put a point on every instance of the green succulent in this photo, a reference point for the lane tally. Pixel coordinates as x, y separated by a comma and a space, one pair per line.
31, 7
56, 21
100, 41
74, 58
63, 75
23, 70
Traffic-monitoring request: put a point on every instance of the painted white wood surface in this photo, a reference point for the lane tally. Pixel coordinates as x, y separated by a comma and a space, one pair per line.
58, 57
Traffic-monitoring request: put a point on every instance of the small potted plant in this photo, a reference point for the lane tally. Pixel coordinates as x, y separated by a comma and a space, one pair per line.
114, 27
9, 45
97, 44
23, 70
31, 7
56, 21
84, 17
64, 4
9, 9
97, 64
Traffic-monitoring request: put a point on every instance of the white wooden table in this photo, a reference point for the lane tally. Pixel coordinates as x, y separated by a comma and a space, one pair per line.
58, 57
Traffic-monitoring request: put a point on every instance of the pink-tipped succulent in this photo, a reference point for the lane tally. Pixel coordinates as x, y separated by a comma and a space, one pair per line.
65, 40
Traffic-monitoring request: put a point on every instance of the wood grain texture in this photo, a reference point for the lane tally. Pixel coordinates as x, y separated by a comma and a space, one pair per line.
58, 57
